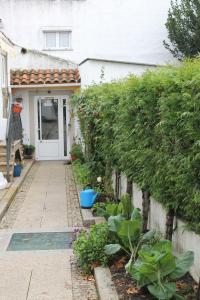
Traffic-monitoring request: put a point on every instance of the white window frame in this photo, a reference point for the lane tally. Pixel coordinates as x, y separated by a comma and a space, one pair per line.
57, 31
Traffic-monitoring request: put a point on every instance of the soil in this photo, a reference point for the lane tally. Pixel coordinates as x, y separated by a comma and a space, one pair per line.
127, 289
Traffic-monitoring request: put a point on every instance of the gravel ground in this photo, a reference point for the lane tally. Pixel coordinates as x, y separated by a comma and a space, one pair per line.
73, 206
83, 287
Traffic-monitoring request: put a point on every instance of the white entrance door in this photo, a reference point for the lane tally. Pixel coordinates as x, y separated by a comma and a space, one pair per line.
51, 127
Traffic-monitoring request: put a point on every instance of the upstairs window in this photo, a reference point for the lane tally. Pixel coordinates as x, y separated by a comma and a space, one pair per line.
57, 40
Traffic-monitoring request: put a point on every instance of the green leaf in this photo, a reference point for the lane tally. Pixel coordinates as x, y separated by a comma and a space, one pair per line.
183, 264
112, 249
164, 292
149, 235
127, 206
178, 297
136, 215
114, 222
112, 209
163, 246
129, 229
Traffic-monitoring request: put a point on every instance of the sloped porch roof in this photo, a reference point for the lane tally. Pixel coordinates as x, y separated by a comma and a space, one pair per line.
44, 77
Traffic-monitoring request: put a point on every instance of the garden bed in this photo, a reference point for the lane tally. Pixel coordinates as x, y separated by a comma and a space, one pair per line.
127, 289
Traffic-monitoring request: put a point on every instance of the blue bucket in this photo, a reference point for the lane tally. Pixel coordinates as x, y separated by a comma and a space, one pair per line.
17, 170
88, 198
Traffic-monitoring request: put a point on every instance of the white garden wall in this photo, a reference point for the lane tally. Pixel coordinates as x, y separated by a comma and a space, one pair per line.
183, 240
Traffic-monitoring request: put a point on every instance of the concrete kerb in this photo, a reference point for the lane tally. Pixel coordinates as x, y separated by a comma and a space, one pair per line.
105, 286
14, 187
103, 278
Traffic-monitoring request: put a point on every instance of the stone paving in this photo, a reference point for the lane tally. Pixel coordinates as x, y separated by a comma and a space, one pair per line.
10, 217
46, 202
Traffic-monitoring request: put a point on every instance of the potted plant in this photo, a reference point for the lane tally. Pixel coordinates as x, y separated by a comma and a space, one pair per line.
28, 151
76, 152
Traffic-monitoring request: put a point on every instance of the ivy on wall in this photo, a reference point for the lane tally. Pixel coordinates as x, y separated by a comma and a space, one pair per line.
149, 129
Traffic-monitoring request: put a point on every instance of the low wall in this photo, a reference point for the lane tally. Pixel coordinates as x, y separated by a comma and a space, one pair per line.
183, 240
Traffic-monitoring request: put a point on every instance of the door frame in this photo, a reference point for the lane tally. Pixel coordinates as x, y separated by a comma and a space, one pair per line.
60, 126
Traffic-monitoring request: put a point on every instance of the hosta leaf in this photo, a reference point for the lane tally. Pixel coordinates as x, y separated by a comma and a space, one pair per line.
149, 235
163, 246
164, 292
129, 229
112, 249
114, 222
183, 264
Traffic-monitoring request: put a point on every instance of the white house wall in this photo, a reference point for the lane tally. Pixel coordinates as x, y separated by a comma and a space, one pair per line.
131, 30
91, 71
38, 60
6, 48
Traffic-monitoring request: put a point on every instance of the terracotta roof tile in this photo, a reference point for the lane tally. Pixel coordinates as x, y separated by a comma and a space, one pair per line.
28, 77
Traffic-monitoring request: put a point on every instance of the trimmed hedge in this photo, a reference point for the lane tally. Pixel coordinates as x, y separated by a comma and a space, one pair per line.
149, 129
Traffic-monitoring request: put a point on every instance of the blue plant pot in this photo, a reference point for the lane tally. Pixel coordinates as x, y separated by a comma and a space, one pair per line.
17, 171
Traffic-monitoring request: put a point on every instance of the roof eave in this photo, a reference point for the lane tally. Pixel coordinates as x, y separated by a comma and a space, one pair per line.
28, 86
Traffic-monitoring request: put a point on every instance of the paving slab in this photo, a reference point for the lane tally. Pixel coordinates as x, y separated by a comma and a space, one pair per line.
47, 202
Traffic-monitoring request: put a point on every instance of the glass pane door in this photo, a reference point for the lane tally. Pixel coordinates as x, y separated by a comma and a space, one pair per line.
48, 119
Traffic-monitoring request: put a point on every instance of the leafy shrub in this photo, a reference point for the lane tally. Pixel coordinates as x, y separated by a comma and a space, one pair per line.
28, 149
127, 206
81, 172
157, 268
148, 128
77, 152
89, 247
129, 235
107, 209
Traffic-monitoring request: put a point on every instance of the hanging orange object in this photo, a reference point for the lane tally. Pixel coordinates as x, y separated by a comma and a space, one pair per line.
17, 108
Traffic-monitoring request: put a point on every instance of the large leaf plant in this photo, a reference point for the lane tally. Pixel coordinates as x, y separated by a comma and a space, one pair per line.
158, 268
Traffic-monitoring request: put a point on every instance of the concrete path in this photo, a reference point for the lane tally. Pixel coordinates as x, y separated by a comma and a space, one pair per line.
47, 202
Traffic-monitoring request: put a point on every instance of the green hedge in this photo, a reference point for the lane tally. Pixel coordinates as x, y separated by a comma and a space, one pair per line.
149, 128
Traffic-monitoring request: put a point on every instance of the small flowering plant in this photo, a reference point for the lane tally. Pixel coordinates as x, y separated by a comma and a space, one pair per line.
99, 179
99, 184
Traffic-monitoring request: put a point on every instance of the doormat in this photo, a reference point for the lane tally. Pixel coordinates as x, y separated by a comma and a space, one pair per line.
41, 241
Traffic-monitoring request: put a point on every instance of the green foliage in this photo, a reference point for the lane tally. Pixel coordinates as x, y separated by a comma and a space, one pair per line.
97, 108
183, 25
82, 173
28, 149
129, 235
107, 209
157, 267
127, 206
148, 128
89, 247
77, 152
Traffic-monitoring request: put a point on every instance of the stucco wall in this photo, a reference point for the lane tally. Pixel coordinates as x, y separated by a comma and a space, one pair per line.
91, 71
37, 60
130, 30
183, 240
